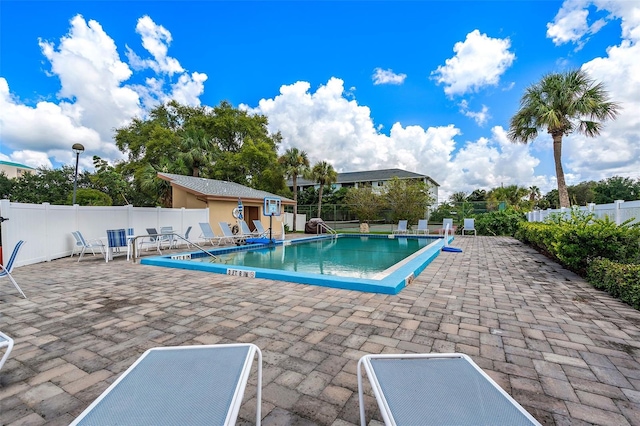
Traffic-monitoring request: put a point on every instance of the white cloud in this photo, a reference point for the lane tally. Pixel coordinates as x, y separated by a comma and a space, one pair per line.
479, 61
156, 40
329, 127
94, 98
381, 76
491, 162
480, 117
571, 24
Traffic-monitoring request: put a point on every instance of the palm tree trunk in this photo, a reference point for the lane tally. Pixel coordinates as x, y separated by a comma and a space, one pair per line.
557, 156
320, 201
295, 201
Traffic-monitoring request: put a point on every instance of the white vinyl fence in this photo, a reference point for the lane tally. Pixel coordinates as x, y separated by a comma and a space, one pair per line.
619, 211
47, 228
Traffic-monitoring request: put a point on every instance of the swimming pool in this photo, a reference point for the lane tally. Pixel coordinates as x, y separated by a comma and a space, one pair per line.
371, 263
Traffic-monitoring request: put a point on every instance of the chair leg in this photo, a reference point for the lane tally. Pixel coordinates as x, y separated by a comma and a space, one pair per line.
15, 284
81, 253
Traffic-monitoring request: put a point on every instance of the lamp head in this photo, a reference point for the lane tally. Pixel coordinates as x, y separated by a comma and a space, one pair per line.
78, 148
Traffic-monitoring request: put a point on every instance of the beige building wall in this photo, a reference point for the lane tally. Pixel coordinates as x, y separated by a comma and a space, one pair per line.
13, 172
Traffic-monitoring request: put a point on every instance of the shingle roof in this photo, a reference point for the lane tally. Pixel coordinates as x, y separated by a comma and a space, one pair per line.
217, 188
368, 176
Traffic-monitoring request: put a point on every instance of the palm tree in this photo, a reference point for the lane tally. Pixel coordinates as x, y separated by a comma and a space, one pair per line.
324, 174
534, 194
296, 163
562, 104
196, 150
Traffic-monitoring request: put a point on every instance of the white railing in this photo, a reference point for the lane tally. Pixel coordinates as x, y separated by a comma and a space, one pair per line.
619, 211
47, 228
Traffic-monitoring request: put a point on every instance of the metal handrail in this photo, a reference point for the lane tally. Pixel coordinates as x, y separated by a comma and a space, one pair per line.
327, 228
202, 249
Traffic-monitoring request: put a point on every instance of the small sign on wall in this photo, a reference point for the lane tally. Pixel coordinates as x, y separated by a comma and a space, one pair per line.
241, 273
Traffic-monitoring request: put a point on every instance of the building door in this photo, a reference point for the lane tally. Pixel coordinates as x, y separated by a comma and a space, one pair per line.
251, 213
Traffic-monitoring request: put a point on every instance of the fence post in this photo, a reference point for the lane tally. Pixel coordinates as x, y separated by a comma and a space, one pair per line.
47, 254
618, 206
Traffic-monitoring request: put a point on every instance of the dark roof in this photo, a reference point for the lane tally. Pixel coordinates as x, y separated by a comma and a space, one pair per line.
217, 188
369, 176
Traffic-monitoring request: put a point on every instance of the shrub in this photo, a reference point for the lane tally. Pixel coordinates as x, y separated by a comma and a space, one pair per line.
620, 280
577, 240
502, 222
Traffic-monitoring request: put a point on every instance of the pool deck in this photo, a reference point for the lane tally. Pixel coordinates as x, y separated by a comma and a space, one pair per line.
568, 353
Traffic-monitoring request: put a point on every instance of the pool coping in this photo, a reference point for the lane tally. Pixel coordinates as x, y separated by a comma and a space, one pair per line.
401, 276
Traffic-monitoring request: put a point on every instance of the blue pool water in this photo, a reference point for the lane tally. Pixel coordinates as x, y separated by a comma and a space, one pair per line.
362, 257
372, 263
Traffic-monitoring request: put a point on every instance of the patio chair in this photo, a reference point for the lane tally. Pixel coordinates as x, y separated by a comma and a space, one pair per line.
186, 237
167, 238
259, 228
5, 342
227, 235
437, 389
152, 240
208, 235
469, 225
188, 385
423, 227
445, 222
5, 270
85, 244
116, 239
402, 227
244, 229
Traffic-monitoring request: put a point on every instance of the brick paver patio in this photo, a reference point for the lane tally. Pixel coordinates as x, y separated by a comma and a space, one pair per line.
568, 353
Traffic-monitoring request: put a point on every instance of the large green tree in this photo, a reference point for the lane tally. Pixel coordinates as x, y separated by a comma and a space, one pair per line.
561, 104
324, 174
295, 163
616, 188
223, 143
364, 203
407, 199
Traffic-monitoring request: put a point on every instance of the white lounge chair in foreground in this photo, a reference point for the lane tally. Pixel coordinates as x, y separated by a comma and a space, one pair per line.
469, 225
5, 270
186, 385
437, 389
5, 342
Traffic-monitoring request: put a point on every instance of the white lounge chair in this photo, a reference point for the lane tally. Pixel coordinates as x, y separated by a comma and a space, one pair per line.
402, 227
437, 389
188, 385
5, 342
423, 227
208, 235
227, 235
469, 225
5, 270
244, 228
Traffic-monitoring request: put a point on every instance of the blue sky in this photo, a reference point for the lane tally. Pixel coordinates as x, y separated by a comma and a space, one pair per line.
426, 86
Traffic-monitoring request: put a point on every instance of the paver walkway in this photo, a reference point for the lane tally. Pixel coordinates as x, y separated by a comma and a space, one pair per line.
568, 353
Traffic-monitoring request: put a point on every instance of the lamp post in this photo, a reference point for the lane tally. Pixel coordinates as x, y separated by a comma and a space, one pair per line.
78, 149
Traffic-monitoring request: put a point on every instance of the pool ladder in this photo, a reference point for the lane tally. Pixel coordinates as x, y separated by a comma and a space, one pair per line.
328, 229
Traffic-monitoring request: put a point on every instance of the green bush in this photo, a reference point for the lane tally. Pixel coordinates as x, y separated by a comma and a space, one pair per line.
501, 222
620, 280
576, 241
